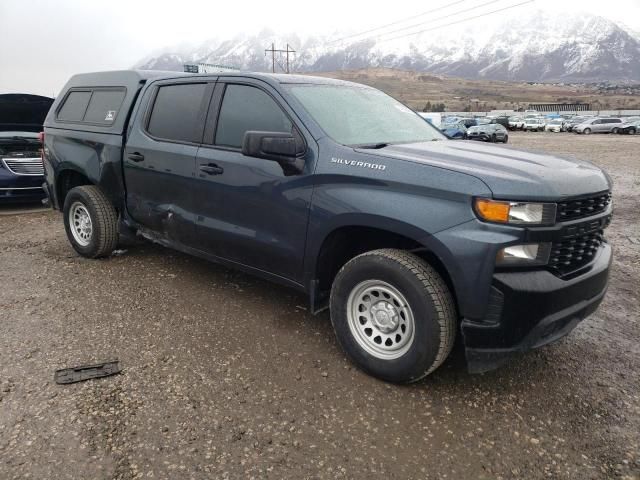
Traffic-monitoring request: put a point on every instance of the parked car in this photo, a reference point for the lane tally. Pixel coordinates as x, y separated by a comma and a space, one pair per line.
21, 171
516, 123
341, 192
598, 125
501, 120
488, 132
631, 128
533, 124
554, 126
456, 131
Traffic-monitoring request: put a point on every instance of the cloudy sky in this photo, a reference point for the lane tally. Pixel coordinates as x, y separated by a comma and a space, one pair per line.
43, 42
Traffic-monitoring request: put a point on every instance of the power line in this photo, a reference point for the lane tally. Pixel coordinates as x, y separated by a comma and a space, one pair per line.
396, 22
435, 19
458, 21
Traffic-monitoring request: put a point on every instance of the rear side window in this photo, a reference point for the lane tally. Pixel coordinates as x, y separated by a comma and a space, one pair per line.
176, 112
104, 106
74, 106
96, 106
247, 108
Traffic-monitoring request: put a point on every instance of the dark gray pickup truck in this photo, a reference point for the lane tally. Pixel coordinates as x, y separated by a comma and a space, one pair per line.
337, 190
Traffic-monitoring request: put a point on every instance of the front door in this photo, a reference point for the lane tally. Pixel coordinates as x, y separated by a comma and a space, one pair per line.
248, 210
160, 155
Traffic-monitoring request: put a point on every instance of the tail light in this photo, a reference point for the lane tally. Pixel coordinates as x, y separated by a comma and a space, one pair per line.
41, 138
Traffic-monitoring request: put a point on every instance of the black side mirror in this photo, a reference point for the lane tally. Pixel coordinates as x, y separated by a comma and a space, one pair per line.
280, 147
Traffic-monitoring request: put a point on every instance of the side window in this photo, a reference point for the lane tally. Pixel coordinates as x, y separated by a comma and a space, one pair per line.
247, 108
176, 112
74, 106
103, 106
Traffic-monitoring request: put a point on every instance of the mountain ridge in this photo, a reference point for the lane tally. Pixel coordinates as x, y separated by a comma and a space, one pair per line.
539, 47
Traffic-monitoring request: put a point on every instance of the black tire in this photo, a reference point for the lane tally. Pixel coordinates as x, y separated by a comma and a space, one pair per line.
632, 131
506, 139
587, 131
614, 130
103, 238
431, 305
493, 138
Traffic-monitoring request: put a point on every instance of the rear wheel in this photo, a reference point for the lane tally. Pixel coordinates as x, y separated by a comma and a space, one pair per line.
614, 130
393, 315
91, 222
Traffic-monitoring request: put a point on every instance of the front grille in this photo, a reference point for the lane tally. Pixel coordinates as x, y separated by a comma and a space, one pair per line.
573, 253
24, 166
583, 207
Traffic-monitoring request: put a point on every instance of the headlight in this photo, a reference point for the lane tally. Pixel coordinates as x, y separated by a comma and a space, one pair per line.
530, 254
515, 213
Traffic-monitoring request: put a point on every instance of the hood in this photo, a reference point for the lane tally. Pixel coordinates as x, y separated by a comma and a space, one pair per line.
20, 112
510, 174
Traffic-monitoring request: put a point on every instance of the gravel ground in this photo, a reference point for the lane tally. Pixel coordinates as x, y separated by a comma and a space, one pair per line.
227, 376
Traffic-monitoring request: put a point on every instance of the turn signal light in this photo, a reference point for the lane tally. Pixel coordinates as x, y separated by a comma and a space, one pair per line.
492, 211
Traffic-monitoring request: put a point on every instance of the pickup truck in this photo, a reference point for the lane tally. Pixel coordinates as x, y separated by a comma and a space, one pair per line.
341, 192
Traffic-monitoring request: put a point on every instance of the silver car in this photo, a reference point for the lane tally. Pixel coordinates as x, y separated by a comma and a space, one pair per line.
599, 125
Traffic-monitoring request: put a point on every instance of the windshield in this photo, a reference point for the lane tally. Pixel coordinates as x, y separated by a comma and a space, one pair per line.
358, 116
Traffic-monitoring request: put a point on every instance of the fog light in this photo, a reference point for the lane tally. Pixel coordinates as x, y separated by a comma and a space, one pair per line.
529, 254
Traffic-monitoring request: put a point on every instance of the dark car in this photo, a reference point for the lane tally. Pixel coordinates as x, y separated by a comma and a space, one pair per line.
630, 128
488, 132
21, 169
337, 190
454, 131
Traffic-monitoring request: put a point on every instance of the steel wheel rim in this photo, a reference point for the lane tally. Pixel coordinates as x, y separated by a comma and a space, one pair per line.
80, 224
380, 319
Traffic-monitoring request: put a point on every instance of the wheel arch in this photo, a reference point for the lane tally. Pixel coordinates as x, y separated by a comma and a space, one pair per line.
67, 179
345, 241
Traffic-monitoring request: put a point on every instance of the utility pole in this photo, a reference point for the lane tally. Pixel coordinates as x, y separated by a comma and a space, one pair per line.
292, 51
273, 52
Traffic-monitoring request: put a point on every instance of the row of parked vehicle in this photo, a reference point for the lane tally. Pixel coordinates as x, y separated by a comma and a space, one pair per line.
583, 124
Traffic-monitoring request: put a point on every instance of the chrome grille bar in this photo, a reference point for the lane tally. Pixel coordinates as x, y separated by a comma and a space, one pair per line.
24, 166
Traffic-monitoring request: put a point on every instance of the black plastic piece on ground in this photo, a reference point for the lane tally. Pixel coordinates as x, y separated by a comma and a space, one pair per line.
86, 372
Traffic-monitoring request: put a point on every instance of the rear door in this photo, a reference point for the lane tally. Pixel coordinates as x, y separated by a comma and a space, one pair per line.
248, 210
159, 158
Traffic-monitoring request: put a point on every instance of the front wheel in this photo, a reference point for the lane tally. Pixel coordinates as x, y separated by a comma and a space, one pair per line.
506, 139
587, 131
91, 222
632, 131
393, 315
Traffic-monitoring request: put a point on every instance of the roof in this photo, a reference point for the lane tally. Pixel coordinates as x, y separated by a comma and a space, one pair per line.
132, 77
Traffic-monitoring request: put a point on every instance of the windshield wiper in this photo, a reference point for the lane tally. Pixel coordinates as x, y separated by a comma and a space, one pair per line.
374, 146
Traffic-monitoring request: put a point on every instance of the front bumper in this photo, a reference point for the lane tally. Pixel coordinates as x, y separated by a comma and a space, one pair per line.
478, 136
532, 309
20, 188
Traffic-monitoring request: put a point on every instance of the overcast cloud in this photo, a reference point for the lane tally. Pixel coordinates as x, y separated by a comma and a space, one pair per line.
42, 43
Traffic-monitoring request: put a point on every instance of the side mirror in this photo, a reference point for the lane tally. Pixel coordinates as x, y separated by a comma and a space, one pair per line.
280, 147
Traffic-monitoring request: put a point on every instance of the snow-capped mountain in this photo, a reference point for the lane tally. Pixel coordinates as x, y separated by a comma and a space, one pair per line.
538, 46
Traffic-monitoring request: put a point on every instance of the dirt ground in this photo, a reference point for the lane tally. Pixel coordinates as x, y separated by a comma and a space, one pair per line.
227, 376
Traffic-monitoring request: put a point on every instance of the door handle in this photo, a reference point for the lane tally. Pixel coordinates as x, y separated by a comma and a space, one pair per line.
211, 169
136, 157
